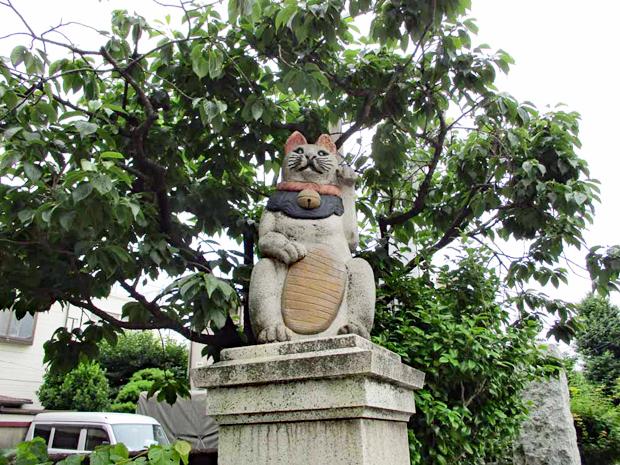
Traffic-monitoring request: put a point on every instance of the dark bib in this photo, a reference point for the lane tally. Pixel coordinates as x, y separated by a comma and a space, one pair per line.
286, 202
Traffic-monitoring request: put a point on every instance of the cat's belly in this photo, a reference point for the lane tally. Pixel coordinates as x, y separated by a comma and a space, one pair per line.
313, 291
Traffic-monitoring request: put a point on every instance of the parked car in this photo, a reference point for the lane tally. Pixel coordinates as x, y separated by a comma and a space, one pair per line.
71, 432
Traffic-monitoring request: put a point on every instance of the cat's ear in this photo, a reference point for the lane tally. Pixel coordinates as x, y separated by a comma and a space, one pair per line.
294, 140
325, 141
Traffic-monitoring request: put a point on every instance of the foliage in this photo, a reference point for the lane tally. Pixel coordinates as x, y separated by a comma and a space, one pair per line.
121, 164
598, 341
476, 360
597, 421
85, 389
35, 453
137, 350
142, 380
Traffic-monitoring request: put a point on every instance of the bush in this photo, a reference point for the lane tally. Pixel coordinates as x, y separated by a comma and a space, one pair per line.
597, 421
35, 452
127, 398
138, 350
84, 389
476, 361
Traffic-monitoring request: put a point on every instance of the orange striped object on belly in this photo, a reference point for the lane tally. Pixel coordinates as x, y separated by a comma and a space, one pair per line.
313, 291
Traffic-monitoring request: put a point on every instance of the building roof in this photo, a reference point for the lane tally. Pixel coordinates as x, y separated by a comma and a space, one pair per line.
13, 401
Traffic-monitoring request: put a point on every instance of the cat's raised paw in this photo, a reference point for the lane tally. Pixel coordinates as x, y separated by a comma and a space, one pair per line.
346, 175
276, 333
352, 328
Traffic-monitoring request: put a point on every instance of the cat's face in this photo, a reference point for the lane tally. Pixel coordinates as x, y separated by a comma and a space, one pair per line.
310, 162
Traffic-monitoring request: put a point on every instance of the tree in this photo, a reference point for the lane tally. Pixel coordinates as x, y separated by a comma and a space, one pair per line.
143, 380
598, 341
121, 164
476, 361
136, 351
85, 389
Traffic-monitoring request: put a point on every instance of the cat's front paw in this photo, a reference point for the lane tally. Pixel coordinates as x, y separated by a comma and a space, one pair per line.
293, 252
275, 333
352, 328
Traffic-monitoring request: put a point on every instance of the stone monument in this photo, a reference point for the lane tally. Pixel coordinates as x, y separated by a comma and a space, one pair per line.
317, 391
548, 436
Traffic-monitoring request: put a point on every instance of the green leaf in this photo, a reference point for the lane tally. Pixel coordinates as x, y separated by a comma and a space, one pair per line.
580, 198
101, 456
102, 183
200, 66
211, 283
18, 55
112, 155
75, 459
85, 128
183, 448
46, 216
119, 452
10, 132
285, 16
156, 455
66, 220
48, 110
81, 192
26, 216
135, 312
32, 171
215, 63
257, 110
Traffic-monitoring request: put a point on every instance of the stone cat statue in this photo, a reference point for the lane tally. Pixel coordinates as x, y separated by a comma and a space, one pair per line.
307, 284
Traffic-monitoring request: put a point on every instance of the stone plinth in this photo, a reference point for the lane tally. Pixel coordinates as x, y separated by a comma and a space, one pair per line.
338, 400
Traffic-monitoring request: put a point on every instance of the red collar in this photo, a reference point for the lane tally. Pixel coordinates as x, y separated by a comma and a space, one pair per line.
297, 186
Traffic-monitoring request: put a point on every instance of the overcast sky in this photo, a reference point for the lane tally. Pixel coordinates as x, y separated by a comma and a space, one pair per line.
565, 51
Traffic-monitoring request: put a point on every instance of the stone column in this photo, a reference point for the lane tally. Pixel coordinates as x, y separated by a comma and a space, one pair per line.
330, 401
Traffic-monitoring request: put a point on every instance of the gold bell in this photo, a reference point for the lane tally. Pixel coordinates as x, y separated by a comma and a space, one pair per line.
308, 199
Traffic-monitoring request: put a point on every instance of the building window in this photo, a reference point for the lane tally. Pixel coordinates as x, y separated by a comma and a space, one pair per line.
12, 329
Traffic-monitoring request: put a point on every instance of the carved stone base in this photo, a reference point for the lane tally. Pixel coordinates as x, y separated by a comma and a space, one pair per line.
338, 400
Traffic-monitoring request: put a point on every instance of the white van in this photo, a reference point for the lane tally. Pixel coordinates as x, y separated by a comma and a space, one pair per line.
78, 432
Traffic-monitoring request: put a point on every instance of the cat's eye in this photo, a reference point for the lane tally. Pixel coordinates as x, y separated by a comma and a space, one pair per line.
299, 150
323, 153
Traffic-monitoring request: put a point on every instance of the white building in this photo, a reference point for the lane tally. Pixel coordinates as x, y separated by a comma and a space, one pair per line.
21, 360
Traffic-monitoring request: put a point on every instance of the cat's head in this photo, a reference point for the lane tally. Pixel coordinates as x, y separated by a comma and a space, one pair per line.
306, 162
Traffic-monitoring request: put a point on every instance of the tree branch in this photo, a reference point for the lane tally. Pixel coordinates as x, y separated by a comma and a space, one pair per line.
110, 319
359, 121
169, 323
420, 201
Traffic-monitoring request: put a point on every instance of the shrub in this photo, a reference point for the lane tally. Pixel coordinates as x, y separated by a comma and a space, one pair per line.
35, 452
138, 350
476, 360
127, 398
85, 389
597, 421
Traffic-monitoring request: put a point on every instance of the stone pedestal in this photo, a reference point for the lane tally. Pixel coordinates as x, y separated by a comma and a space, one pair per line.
339, 401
